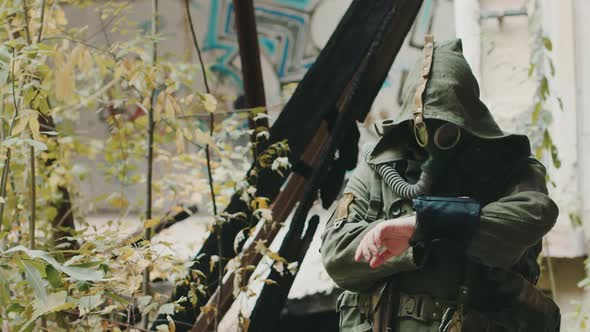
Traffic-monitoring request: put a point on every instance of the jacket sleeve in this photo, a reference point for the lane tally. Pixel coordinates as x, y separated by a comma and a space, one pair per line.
343, 234
516, 222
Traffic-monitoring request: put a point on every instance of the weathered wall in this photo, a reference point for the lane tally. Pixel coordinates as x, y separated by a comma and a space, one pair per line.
507, 90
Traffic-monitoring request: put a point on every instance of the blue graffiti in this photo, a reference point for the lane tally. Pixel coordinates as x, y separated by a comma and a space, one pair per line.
297, 4
269, 45
282, 36
212, 42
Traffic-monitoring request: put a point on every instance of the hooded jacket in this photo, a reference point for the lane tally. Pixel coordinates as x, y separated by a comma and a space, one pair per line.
509, 185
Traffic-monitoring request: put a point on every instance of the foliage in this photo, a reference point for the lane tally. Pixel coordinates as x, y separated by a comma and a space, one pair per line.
51, 77
542, 70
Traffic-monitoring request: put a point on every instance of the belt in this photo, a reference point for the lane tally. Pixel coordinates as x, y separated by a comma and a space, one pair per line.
422, 307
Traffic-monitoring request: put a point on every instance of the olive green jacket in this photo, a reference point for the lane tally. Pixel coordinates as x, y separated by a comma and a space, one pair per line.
508, 227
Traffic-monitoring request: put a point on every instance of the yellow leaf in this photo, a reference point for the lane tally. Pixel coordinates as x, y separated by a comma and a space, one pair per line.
76, 54
244, 323
119, 202
171, 324
159, 107
65, 83
34, 125
60, 16
150, 223
187, 133
259, 203
206, 139
126, 253
260, 247
275, 256
169, 110
85, 62
179, 141
20, 125
120, 70
208, 309
209, 102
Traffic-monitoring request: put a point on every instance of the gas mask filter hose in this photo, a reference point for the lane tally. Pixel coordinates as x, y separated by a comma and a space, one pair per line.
399, 186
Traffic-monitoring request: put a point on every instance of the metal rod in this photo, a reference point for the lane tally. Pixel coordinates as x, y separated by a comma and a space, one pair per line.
251, 67
498, 14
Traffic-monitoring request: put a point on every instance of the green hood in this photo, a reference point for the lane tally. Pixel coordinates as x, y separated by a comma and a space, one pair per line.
452, 95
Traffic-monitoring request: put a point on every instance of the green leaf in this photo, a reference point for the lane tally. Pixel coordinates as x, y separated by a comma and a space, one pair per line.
3, 76
87, 264
39, 146
37, 283
560, 102
55, 302
10, 142
90, 302
77, 273
53, 276
547, 141
15, 307
531, 70
551, 68
45, 48
539, 152
544, 88
575, 219
555, 156
548, 44
4, 291
121, 300
16, 43
537, 112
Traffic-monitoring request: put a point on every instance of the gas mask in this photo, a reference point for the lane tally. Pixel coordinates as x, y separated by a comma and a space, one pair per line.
441, 141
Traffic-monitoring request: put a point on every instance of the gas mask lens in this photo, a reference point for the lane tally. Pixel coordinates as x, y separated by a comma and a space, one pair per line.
447, 136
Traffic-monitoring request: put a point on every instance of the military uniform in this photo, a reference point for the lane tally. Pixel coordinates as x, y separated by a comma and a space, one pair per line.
472, 260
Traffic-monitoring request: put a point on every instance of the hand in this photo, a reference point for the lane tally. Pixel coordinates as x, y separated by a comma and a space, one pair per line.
388, 239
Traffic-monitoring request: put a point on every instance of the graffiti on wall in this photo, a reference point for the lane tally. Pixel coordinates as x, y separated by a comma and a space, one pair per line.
292, 33
283, 30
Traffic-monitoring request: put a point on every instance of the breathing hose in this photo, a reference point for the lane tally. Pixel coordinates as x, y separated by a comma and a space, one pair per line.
399, 186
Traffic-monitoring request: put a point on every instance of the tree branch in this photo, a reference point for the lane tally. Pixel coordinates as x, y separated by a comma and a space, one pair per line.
208, 155
42, 19
150, 152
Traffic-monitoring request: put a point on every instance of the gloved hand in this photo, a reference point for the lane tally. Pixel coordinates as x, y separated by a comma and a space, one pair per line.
454, 218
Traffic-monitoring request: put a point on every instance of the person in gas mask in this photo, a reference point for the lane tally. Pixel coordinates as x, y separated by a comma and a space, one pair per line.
440, 227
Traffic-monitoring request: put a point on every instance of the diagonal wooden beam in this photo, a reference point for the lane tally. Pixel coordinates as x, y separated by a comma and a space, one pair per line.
370, 33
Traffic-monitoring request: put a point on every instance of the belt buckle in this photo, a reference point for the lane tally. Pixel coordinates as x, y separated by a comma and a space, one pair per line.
409, 306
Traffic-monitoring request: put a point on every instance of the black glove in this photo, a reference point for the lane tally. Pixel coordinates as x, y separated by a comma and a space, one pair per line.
445, 218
